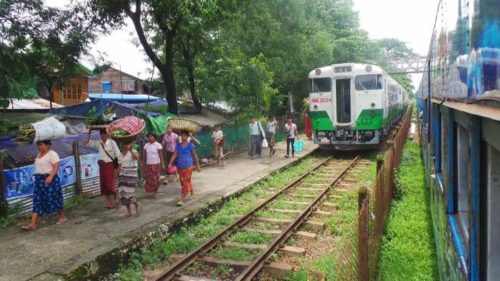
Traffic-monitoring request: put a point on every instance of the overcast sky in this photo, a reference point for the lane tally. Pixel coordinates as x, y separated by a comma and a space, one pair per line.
410, 21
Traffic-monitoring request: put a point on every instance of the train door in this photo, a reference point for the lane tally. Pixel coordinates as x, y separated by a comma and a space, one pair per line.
343, 100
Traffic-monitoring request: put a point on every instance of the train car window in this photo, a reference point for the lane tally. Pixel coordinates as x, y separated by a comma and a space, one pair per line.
321, 85
463, 179
492, 217
368, 82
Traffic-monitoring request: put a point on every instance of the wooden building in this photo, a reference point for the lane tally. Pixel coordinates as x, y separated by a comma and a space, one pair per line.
73, 89
115, 81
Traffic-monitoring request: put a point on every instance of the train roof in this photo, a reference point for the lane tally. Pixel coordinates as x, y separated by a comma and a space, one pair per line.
328, 71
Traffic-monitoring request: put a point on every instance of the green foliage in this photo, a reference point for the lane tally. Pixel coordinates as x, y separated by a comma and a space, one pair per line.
236, 254
408, 251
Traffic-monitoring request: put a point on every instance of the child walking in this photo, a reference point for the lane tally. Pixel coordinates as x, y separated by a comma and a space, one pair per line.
186, 156
218, 139
127, 178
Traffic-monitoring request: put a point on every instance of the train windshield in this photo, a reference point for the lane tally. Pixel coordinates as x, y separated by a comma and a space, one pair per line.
321, 85
368, 82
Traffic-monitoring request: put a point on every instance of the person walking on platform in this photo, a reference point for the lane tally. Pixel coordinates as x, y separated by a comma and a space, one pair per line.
218, 140
48, 195
170, 140
272, 124
127, 178
257, 134
291, 133
185, 156
153, 163
108, 163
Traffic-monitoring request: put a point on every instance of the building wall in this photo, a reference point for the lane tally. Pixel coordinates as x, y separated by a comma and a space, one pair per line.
120, 82
75, 91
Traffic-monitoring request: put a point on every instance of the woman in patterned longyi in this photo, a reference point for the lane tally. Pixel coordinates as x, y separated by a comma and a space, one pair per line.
48, 195
185, 154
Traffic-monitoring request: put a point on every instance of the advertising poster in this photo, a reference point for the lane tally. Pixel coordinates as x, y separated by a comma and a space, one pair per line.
90, 168
19, 182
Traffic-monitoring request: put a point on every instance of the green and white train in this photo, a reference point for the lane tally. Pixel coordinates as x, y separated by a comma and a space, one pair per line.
353, 105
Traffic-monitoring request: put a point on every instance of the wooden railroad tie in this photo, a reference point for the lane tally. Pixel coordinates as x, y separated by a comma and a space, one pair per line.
298, 234
277, 270
286, 211
286, 250
309, 225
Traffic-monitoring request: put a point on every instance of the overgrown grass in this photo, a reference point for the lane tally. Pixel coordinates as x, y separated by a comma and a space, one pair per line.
189, 237
235, 254
408, 251
252, 238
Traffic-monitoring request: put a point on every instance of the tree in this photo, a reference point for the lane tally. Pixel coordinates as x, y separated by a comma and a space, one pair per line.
157, 24
41, 47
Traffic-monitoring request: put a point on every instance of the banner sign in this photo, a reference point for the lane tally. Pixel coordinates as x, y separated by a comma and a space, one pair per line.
19, 182
90, 168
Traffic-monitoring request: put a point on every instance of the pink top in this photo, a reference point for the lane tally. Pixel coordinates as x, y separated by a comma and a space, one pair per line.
169, 141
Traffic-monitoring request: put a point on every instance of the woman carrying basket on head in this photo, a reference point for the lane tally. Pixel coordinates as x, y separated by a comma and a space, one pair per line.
185, 156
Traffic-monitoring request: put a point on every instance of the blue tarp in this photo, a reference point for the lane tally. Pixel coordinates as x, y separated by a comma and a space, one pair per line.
126, 98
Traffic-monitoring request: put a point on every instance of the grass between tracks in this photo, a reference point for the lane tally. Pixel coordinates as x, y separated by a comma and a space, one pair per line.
189, 237
333, 245
408, 251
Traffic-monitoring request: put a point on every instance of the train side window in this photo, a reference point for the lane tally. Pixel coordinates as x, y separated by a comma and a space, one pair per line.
492, 214
463, 193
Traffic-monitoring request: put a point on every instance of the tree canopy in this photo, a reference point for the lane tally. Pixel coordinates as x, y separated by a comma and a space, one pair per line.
251, 53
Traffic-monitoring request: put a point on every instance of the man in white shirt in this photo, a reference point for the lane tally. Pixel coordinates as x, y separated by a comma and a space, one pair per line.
291, 133
257, 134
218, 140
108, 151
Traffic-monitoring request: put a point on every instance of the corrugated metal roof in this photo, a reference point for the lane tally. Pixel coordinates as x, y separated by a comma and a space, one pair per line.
38, 103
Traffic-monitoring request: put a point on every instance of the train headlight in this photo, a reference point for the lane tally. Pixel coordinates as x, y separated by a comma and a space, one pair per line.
372, 104
368, 68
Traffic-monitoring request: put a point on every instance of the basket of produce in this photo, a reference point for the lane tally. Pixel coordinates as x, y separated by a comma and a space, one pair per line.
126, 129
47, 129
178, 124
99, 121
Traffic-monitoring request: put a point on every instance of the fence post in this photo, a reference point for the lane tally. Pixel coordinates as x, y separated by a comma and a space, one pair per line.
363, 212
78, 168
4, 205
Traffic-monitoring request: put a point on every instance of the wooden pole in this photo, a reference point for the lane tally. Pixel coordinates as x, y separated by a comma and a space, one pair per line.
4, 205
78, 168
363, 234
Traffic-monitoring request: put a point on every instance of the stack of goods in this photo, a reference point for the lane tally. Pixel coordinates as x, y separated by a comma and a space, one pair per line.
126, 129
47, 129
184, 125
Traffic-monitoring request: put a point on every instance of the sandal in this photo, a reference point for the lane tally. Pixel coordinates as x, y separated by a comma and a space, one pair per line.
180, 203
28, 227
63, 221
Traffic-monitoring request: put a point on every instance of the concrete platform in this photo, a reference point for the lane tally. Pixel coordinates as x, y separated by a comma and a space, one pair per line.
95, 240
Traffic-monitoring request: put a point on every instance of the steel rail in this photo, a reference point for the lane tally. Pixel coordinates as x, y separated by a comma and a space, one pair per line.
255, 267
181, 264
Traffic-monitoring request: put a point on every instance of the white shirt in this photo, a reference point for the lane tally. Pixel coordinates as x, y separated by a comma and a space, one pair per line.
152, 153
271, 127
110, 147
218, 134
290, 130
44, 164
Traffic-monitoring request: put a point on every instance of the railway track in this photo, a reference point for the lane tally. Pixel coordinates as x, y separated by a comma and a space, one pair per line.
308, 191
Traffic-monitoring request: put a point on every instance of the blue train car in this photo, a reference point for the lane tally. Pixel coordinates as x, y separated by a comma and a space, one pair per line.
459, 110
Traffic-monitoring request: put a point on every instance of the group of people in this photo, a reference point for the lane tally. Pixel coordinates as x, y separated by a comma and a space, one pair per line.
258, 135
116, 165
176, 155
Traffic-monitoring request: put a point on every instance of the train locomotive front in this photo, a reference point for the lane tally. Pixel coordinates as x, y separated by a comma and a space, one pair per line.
352, 106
